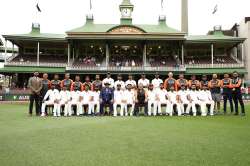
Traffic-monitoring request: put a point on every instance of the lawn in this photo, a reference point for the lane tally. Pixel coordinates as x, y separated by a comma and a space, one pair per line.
108, 141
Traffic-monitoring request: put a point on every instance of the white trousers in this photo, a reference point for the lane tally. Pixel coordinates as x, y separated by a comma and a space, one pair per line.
115, 105
71, 103
80, 108
193, 104
204, 109
182, 106
152, 107
159, 105
170, 108
126, 106
92, 107
66, 107
56, 109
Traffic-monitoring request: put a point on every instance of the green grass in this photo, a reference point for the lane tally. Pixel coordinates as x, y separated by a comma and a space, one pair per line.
144, 141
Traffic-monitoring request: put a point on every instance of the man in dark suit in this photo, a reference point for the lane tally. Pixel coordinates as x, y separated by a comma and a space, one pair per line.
106, 98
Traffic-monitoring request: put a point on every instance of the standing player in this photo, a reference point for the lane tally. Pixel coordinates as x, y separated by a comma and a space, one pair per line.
237, 96
97, 83
87, 83
170, 82
94, 101
108, 80
120, 82
118, 97
205, 98
84, 101
183, 93
151, 98
66, 82
130, 81
54, 98
143, 81
181, 82
174, 100
215, 86
64, 100
194, 81
226, 84
56, 82
129, 100
204, 82
161, 98
157, 81
77, 85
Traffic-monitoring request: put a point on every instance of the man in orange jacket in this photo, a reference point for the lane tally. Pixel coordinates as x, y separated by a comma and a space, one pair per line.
226, 84
170, 82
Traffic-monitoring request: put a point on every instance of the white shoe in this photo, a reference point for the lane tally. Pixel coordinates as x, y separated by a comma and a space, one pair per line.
42, 115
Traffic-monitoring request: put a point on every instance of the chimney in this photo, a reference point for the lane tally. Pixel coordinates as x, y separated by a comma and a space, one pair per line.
184, 16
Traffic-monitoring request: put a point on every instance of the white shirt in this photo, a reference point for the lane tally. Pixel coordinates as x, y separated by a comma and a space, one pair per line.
194, 95
205, 95
151, 95
183, 95
161, 95
156, 83
132, 82
172, 96
86, 95
144, 82
75, 95
129, 96
110, 81
118, 96
95, 95
122, 83
65, 95
52, 95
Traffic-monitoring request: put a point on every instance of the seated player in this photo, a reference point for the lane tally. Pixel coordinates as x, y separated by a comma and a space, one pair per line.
141, 100
129, 100
74, 100
174, 100
151, 98
118, 96
161, 98
64, 100
94, 101
193, 98
84, 101
183, 93
53, 96
205, 97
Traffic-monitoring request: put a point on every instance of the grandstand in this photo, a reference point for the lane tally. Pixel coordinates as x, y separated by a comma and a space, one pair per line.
124, 48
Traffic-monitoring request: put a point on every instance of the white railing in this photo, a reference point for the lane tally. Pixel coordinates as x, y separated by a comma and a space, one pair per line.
233, 65
34, 64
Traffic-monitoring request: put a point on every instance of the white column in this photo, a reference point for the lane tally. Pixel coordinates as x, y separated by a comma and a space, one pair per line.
68, 53
182, 54
236, 52
242, 53
12, 49
38, 53
107, 55
5, 52
145, 55
212, 54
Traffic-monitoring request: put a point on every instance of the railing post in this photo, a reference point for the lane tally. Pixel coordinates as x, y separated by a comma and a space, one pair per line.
5, 52
182, 54
212, 54
68, 53
38, 53
145, 55
242, 54
107, 56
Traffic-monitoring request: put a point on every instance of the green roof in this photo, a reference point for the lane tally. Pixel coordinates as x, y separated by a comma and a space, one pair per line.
215, 70
21, 69
216, 37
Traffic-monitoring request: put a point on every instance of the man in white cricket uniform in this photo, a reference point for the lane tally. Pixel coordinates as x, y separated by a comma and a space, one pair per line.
118, 99
151, 98
64, 100
143, 81
173, 98
161, 98
108, 80
84, 101
54, 96
183, 93
205, 98
120, 82
129, 100
74, 100
193, 98
94, 101
131, 82
157, 81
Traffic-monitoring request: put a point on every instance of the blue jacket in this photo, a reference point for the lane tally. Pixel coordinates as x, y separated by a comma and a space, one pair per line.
107, 94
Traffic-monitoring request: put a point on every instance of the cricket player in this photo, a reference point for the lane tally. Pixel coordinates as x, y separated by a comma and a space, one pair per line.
205, 98
194, 81
67, 82
74, 100
54, 97
108, 80
120, 81
130, 81
174, 99
84, 101
161, 98
129, 100
226, 84
94, 101
151, 98
77, 84
183, 93
64, 100
181, 82
157, 81
170, 82
118, 99
144, 81
193, 98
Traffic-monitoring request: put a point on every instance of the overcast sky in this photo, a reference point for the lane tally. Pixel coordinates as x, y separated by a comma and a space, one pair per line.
58, 16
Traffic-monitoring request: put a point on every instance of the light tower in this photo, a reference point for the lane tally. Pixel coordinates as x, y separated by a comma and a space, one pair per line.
184, 16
